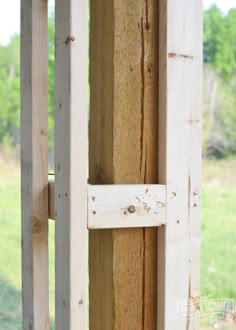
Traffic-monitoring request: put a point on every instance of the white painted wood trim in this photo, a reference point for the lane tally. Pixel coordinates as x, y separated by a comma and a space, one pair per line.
180, 163
71, 153
34, 164
126, 206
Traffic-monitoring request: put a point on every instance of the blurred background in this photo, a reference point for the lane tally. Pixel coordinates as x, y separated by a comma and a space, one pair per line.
218, 270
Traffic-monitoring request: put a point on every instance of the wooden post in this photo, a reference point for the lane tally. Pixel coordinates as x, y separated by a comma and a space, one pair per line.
71, 164
34, 164
180, 163
127, 134
123, 150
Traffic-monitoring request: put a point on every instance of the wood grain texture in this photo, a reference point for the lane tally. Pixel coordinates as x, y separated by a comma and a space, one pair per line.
71, 163
126, 206
180, 163
34, 164
123, 150
120, 206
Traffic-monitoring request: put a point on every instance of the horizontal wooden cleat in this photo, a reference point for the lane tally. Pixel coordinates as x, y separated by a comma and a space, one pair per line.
121, 206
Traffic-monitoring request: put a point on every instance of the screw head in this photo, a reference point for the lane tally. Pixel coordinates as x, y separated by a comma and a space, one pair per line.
131, 209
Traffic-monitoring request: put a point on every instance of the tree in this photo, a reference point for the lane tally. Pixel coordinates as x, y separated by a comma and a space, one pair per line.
219, 117
10, 90
220, 41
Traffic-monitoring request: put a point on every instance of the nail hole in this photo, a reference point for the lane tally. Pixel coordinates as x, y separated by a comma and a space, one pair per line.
173, 194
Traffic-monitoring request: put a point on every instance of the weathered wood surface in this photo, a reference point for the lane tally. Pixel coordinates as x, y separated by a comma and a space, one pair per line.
123, 150
180, 163
34, 164
71, 164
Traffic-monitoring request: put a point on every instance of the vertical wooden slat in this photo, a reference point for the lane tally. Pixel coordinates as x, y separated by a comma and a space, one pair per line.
34, 164
71, 164
123, 149
180, 162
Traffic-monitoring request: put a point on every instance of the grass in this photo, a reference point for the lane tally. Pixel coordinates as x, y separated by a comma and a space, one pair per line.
10, 260
218, 257
219, 242
218, 271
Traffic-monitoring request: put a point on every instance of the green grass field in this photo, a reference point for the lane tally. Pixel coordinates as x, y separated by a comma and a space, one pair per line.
218, 272
10, 254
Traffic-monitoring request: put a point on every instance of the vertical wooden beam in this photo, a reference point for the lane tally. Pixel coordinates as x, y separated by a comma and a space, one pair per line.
180, 163
71, 164
123, 149
34, 164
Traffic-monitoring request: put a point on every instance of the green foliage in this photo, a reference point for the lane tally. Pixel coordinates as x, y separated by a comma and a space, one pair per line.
10, 90
51, 96
10, 261
219, 116
220, 41
218, 269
